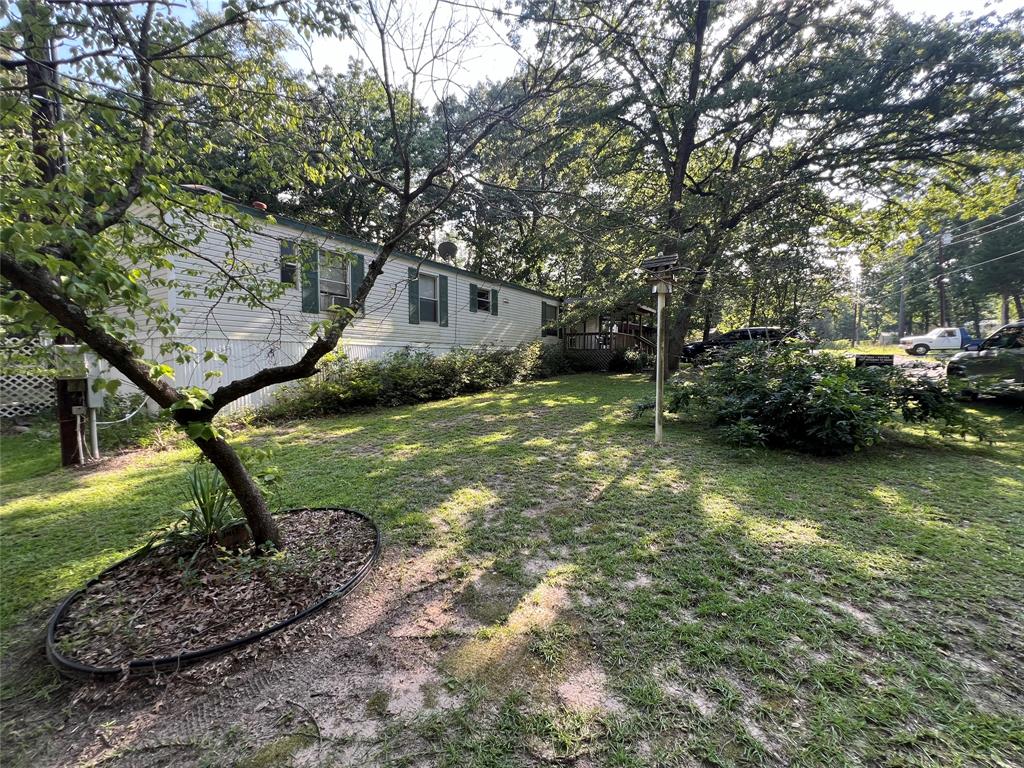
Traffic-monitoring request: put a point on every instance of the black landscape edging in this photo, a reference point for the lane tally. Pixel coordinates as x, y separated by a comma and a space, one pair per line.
77, 670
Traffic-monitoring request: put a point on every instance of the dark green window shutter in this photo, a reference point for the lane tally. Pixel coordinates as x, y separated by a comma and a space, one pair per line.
310, 280
442, 300
472, 297
288, 262
494, 301
358, 273
414, 295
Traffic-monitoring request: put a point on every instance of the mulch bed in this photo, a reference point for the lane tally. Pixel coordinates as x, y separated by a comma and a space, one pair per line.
160, 605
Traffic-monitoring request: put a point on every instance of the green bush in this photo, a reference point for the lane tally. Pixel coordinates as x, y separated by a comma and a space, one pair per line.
817, 403
415, 377
836, 344
629, 361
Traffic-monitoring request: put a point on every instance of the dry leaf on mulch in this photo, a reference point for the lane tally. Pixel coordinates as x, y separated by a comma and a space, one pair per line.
160, 605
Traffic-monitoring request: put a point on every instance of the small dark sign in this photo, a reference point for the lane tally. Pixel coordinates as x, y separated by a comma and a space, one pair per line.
861, 361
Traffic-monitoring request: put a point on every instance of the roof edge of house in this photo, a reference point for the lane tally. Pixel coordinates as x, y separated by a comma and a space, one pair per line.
291, 223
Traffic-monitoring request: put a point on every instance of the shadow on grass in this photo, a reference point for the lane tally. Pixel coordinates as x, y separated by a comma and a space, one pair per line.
725, 593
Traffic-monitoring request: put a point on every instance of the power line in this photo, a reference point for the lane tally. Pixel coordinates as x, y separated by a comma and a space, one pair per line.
1001, 215
965, 268
930, 250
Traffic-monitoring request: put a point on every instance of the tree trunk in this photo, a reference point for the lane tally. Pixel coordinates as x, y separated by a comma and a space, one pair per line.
976, 315
250, 499
941, 282
691, 292
1019, 305
676, 173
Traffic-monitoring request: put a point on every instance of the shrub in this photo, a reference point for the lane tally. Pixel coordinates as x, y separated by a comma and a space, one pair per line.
410, 377
551, 361
837, 344
816, 403
629, 361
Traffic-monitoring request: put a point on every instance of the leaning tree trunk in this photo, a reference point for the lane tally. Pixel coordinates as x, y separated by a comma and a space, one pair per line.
250, 499
692, 290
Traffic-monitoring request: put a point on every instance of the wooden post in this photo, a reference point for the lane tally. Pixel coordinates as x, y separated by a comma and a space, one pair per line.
662, 288
901, 320
70, 455
940, 260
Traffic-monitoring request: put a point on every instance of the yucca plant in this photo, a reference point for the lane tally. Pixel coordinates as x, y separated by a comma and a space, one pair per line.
210, 507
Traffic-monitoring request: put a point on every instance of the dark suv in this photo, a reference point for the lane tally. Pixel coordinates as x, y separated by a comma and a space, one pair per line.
693, 352
994, 366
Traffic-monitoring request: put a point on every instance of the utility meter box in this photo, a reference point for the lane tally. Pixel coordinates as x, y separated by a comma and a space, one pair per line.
69, 361
73, 363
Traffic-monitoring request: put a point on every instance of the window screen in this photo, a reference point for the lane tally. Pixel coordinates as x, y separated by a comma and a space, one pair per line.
428, 299
549, 316
334, 290
483, 299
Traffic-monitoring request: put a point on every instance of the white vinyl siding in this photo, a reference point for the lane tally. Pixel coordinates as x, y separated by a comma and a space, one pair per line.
278, 332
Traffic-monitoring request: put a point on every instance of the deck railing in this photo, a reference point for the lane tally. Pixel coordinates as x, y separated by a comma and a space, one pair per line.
607, 340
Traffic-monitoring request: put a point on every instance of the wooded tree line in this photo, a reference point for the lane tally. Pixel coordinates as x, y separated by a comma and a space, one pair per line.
966, 272
757, 139
744, 136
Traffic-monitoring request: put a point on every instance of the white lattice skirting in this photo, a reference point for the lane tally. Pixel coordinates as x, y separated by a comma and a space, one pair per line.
22, 395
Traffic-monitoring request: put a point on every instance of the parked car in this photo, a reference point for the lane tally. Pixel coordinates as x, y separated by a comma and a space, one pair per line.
696, 350
939, 338
994, 366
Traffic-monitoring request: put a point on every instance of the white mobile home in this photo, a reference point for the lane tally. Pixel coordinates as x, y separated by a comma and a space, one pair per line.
416, 304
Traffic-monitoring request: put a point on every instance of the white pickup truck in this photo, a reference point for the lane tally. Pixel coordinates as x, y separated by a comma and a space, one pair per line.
950, 339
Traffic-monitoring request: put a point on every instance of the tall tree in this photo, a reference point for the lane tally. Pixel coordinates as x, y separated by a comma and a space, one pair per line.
95, 95
734, 105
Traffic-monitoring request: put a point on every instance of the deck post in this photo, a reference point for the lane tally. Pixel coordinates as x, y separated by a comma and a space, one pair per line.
662, 288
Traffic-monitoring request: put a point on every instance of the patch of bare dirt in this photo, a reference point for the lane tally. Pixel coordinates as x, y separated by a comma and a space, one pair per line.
585, 689
307, 687
693, 695
865, 620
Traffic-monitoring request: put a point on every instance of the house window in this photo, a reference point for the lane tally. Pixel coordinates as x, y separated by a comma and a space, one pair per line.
428, 299
288, 272
333, 281
549, 317
483, 299
289, 262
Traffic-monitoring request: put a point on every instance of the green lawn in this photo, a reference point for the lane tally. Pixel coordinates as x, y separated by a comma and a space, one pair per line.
23, 457
735, 607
